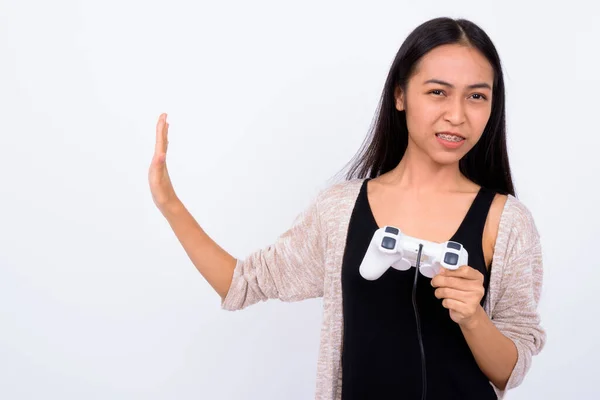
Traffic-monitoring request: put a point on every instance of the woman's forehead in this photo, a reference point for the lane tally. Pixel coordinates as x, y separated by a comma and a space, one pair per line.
459, 65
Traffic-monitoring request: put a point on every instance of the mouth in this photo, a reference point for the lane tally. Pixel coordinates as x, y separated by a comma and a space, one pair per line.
450, 136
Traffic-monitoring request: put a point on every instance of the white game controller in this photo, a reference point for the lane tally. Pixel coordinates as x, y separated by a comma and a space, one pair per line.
390, 248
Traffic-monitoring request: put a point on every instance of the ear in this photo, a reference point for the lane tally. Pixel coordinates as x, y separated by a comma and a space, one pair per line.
399, 96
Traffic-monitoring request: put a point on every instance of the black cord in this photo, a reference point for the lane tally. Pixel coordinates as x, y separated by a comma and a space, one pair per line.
414, 300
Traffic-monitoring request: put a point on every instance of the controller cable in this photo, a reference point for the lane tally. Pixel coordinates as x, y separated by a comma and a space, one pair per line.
418, 321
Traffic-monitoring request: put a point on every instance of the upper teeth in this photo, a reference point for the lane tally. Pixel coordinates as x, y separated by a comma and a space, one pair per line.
454, 138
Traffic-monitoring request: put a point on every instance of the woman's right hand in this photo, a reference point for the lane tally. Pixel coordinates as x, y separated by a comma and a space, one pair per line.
161, 187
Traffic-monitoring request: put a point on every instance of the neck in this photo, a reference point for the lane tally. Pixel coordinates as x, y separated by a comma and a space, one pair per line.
417, 172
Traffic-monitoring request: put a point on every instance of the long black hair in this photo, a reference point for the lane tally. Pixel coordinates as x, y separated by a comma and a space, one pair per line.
486, 163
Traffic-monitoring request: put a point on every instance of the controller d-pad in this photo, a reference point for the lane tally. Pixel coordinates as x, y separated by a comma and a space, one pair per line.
388, 243
451, 258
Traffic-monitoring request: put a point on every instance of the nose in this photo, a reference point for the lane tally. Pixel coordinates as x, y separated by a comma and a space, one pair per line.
455, 112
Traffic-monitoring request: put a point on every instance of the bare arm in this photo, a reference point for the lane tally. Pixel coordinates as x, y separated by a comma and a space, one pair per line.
461, 291
495, 354
503, 343
290, 269
214, 263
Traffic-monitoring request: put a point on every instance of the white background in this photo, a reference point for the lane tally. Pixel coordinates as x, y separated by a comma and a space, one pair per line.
266, 100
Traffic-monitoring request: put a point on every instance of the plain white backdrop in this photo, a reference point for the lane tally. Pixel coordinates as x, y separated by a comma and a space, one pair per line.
267, 100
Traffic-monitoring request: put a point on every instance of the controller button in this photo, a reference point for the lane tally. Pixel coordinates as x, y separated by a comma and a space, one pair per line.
454, 245
392, 230
388, 243
451, 258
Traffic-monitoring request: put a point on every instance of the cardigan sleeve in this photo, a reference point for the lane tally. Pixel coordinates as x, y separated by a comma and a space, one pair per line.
515, 313
290, 269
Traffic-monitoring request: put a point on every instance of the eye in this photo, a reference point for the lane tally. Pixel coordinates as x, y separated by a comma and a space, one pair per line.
479, 96
437, 92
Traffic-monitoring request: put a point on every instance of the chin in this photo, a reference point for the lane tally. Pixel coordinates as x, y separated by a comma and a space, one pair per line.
447, 158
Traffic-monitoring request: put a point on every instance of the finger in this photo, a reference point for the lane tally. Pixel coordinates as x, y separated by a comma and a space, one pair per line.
446, 281
454, 305
159, 127
166, 137
161, 135
454, 294
465, 272
454, 282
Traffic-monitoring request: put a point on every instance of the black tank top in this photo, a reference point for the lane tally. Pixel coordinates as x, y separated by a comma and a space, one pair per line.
381, 356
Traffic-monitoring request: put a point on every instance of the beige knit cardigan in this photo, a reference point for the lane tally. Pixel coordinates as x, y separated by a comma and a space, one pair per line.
305, 262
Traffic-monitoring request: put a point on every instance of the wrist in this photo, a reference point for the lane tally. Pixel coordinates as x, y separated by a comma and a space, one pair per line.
475, 321
171, 208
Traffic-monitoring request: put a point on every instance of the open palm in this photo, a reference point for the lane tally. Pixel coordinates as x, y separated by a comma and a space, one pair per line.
161, 187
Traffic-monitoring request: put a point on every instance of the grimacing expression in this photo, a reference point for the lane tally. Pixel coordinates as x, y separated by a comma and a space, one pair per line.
448, 102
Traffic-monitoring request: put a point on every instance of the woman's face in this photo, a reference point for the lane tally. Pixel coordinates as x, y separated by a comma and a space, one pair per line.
448, 102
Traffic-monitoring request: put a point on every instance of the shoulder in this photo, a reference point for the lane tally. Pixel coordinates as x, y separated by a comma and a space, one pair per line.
517, 228
337, 194
334, 202
492, 225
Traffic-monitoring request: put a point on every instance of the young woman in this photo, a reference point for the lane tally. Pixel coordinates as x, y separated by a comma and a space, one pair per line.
436, 167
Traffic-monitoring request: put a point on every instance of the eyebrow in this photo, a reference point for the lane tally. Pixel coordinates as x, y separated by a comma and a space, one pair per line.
474, 86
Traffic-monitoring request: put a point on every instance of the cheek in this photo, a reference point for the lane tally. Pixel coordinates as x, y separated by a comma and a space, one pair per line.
421, 118
479, 119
